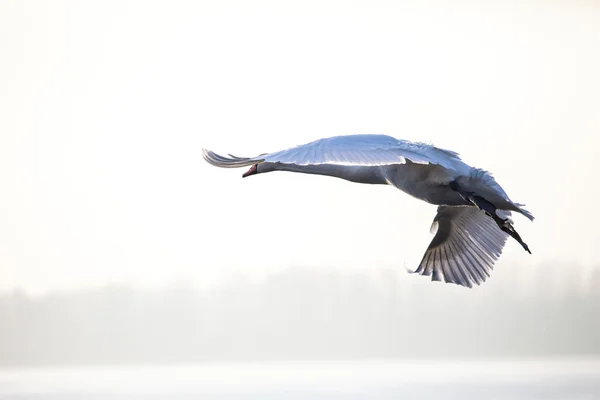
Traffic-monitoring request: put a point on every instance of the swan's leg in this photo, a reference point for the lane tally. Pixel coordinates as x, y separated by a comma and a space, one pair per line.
490, 210
508, 228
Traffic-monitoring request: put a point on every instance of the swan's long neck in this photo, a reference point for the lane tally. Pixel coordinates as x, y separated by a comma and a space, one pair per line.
353, 173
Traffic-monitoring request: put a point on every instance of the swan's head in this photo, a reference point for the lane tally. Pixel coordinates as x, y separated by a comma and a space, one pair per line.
253, 170
259, 168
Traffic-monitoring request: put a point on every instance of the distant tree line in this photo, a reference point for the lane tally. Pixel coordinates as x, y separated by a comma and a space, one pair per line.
302, 314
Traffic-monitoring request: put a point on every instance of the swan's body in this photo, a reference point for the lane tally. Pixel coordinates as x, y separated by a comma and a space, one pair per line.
467, 241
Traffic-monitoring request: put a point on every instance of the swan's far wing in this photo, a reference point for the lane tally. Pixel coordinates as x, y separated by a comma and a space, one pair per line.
361, 150
465, 247
368, 150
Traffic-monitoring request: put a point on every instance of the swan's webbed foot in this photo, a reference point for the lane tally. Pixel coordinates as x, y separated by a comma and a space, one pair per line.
503, 223
508, 228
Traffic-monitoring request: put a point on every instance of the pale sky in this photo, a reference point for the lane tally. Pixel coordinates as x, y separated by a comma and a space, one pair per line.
105, 106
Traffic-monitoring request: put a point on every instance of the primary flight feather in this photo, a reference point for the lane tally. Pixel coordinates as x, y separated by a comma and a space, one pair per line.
472, 221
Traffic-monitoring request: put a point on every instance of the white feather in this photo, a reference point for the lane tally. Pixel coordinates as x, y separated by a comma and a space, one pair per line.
467, 242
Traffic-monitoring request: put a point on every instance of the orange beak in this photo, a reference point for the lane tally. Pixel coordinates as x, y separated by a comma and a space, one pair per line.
253, 170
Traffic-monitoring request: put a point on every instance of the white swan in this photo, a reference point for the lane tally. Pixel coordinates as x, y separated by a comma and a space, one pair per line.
471, 225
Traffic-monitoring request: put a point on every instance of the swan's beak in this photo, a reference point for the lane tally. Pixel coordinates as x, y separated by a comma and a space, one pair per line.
253, 170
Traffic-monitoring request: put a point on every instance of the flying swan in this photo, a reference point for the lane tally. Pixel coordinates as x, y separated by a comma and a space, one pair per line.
472, 221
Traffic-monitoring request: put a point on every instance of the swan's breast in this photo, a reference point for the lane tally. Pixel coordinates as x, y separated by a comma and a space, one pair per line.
427, 182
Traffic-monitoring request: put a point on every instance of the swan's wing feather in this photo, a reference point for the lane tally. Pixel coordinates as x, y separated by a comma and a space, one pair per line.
465, 247
368, 150
228, 162
361, 150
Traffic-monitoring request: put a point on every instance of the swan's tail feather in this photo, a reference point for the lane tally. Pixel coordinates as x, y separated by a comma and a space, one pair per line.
228, 162
523, 211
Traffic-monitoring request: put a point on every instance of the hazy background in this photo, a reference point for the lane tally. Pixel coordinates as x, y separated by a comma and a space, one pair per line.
118, 243
303, 314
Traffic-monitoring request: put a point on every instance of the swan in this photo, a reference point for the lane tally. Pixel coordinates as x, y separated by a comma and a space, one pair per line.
472, 222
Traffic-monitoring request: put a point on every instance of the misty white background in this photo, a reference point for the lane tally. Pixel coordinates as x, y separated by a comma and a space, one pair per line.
105, 106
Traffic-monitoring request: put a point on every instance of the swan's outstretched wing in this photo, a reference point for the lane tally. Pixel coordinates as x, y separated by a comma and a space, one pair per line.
465, 247
368, 150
